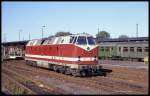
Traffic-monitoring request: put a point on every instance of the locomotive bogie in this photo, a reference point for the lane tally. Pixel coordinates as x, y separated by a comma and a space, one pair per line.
79, 70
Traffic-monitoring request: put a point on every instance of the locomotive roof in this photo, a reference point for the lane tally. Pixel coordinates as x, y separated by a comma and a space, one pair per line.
55, 39
79, 34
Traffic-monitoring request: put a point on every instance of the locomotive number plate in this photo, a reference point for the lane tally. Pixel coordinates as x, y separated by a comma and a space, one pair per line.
88, 52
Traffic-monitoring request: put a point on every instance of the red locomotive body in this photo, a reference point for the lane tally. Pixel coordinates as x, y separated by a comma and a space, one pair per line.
73, 54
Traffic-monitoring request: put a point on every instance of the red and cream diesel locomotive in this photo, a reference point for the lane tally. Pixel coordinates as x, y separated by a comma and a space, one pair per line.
72, 54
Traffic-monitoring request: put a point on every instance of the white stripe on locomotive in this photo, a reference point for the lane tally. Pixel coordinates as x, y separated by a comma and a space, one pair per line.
43, 63
62, 58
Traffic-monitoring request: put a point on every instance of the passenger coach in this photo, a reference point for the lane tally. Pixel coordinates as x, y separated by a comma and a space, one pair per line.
72, 54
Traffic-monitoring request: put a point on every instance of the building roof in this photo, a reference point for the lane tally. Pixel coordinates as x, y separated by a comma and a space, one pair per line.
15, 42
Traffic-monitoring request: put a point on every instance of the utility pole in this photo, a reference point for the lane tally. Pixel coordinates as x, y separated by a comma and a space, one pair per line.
22, 37
29, 35
19, 34
137, 30
4, 37
42, 31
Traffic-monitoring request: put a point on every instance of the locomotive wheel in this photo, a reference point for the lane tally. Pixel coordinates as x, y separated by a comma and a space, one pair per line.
55, 68
34, 64
83, 73
27, 62
67, 71
62, 70
74, 73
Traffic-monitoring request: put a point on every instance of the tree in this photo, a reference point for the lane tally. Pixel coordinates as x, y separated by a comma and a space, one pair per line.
103, 34
63, 33
123, 36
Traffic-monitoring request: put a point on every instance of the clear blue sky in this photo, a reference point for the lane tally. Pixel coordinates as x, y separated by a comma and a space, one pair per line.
117, 18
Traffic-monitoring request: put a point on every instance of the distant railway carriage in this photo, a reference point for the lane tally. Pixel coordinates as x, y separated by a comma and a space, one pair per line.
4, 53
13, 50
123, 50
73, 54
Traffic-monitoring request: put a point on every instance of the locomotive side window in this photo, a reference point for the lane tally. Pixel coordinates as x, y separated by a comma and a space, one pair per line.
42, 41
51, 41
59, 40
45, 42
38, 42
30, 43
81, 40
91, 41
34, 42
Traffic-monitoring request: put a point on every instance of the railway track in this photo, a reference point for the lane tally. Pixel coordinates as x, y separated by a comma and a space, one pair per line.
14, 87
129, 74
120, 85
42, 72
29, 82
107, 84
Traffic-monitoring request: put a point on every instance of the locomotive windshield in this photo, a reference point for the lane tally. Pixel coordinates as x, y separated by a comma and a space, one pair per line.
81, 40
91, 40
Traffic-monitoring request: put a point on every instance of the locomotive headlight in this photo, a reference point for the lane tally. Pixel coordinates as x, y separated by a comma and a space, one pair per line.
78, 58
95, 58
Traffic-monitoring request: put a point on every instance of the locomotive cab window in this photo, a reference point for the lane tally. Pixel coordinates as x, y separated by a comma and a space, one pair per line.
91, 41
81, 40
74, 40
71, 39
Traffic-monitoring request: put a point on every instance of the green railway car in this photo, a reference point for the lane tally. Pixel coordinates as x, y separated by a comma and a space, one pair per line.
108, 50
123, 50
